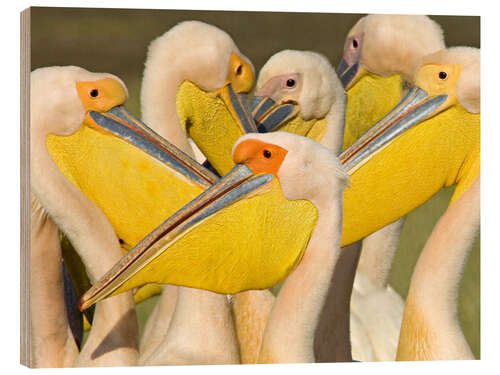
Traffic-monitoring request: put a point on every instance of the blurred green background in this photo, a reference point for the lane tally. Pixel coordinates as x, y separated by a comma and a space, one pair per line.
116, 41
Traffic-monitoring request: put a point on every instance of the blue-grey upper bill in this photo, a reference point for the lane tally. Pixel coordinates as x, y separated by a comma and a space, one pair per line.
269, 115
241, 109
413, 109
347, 73
119, 122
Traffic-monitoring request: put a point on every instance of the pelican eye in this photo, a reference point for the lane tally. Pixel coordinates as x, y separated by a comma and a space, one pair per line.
290, 82
442, 76
267, 154
94, 93
239, 70
354, 43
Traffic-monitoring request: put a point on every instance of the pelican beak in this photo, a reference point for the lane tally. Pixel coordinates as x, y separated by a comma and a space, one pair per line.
237, 104
350, 69
417, 106
350, 74
239, 183
270, 115
122, 124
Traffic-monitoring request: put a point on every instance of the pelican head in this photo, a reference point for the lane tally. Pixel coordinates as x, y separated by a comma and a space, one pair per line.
299, 92
455, 72
443, 149
194, 85
295, 161
70, 93
379, 54
385, 44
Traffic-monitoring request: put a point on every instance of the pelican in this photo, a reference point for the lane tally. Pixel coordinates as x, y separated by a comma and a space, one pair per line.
430, 329
55, 200
260, 158
380, 53
300, 90
198, 66
308, 171
274, 158
194, 86
449, 145
438, 159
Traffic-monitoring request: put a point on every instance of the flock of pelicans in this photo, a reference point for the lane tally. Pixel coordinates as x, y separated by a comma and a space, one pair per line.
305, 178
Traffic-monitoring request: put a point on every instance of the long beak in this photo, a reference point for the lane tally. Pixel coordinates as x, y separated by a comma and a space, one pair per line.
414, 108
237, 103
122, 124
239, 183
270, 115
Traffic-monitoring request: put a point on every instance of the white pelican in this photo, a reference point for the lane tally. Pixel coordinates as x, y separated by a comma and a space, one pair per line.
301, 90
266, 162
447, 144
60, 99
192, 77
379, 56
454, 70
199, 66
308, 171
